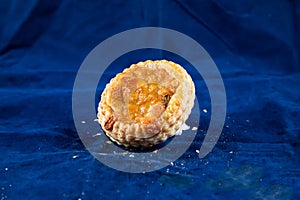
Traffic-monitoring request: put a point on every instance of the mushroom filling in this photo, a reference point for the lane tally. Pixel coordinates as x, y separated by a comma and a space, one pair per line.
148, 102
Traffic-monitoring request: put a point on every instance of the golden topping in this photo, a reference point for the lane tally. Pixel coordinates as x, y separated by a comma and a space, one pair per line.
148, 102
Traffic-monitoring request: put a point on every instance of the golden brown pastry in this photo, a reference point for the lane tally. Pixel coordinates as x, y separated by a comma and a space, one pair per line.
146, 103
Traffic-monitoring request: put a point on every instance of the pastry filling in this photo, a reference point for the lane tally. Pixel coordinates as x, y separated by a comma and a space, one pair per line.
148, 102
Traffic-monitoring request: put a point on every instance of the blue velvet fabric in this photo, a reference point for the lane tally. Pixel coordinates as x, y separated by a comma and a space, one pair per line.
256, 46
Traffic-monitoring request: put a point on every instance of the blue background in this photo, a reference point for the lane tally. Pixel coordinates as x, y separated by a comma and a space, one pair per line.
256, 47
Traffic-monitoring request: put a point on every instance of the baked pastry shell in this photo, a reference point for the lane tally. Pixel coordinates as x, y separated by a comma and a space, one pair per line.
113, 111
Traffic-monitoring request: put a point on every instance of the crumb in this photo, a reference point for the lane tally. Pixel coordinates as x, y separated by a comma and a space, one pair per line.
97, 134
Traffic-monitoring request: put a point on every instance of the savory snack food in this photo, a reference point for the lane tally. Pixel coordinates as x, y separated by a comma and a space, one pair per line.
146, 103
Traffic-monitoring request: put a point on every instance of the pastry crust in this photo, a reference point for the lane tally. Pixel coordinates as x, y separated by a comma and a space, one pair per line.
146, 103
